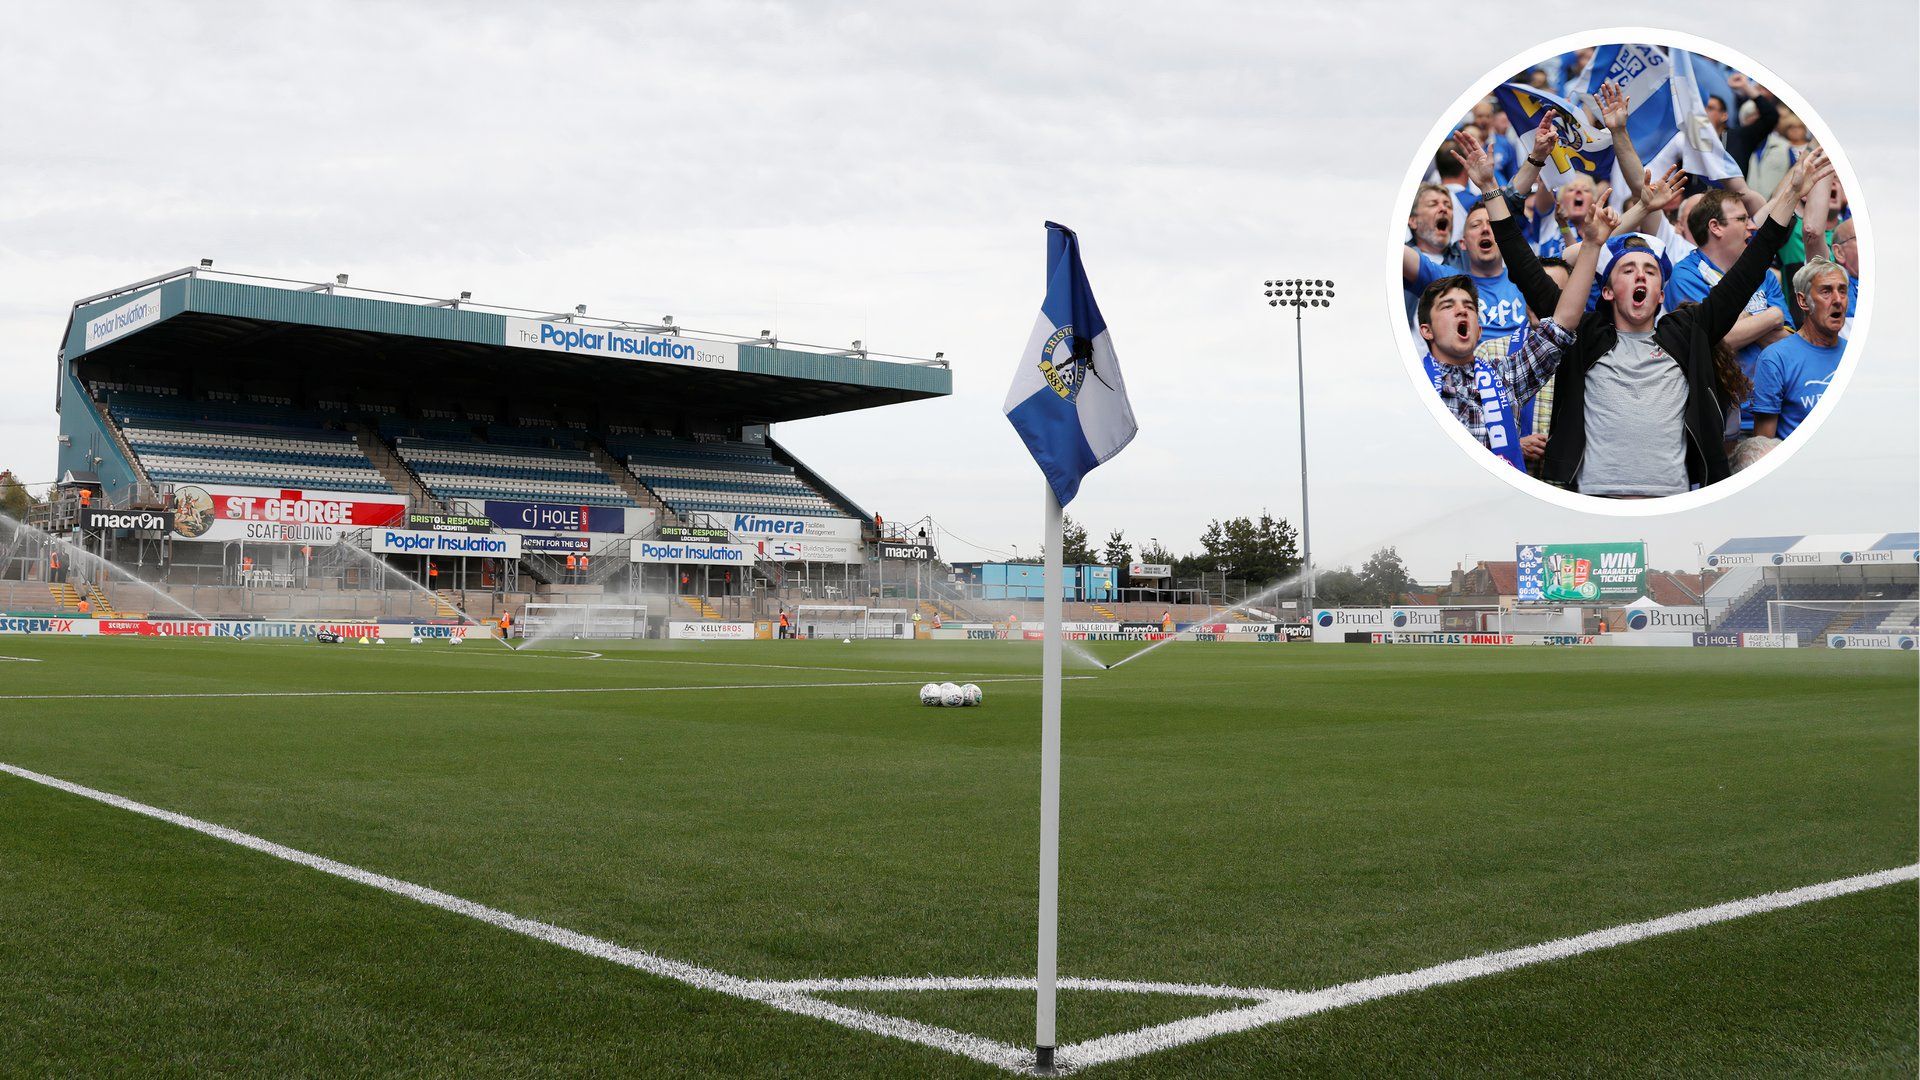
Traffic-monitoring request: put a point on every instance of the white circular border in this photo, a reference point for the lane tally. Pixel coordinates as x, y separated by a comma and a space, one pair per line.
1416, 372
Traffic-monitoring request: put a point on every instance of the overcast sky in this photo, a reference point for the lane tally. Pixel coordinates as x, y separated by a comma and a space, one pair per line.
882, 172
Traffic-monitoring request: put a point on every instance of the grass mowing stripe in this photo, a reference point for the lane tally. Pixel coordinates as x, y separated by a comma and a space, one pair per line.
1181, 1032
789, 996
773, 994
771, 667
508, 690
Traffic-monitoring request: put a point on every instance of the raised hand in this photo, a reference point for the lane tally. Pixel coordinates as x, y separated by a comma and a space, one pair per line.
1812, 169
1600, 223
1478, 160
1545, 138
1613, 107
1662, 193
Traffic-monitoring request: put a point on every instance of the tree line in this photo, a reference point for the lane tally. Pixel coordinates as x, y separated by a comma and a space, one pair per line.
1262, 551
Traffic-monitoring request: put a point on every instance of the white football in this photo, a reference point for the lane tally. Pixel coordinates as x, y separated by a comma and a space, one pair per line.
951, 696
416, 639
971, 694
930, 694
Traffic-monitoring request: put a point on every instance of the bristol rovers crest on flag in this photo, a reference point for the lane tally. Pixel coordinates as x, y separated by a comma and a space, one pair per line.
1068, 400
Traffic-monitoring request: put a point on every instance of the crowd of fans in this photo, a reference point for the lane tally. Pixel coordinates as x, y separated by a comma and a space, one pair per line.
1641, 335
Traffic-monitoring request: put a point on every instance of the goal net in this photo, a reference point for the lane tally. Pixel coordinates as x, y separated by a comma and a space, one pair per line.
545, 620
852, 621
1814, 619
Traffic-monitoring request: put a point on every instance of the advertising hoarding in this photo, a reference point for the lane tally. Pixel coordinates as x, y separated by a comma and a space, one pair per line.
1871, 641
556, 517
449, 523
448, 544
218, 512
793, 527
711, 631
619, 344
1677, 619
140, 521
1581, 573
689, 552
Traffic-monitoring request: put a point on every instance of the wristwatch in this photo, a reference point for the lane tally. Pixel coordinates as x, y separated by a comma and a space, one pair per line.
1536, 164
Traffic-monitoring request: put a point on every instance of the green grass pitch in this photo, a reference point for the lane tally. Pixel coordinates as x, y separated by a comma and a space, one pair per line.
1290, 817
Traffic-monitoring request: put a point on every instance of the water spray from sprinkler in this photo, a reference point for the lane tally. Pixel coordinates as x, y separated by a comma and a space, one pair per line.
1275, 589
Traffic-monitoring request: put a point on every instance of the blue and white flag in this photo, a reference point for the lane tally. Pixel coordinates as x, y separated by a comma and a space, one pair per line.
1585, 149
1644, 74
1068, 401
1701, 152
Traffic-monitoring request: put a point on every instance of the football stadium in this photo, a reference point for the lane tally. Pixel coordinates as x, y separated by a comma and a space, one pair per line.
403, 684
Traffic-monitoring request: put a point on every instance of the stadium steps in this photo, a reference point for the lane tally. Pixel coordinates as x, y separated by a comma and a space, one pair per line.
701, 607
380, 454
1820, 636
825, 490
631, 485
443, 605
1106, 612
101, 605
120, 442
65, 596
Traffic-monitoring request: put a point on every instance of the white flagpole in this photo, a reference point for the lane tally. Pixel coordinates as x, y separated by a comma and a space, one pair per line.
1053, 586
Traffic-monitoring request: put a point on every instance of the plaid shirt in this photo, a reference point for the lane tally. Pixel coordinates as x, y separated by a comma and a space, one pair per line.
1523, 373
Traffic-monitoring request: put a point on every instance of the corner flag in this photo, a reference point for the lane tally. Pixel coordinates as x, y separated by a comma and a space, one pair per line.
1069, 405
1068, 401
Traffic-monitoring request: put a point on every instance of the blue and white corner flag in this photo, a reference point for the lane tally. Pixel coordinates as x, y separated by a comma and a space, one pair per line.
1068, 401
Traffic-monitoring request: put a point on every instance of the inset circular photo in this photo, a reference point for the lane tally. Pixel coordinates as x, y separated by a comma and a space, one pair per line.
1629, 267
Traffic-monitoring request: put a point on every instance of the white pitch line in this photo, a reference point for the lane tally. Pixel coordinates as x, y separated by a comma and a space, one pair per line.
1131, 1044
981, 1049
196, 695
19, 659
1020, 982
795, 996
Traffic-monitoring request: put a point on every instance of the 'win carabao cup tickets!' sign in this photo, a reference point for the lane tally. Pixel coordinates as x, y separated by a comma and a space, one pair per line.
1581, 573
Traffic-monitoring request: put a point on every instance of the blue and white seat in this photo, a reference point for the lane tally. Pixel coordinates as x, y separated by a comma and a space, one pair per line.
216, 442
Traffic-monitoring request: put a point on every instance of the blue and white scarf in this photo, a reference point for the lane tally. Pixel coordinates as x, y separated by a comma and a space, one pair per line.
1497, 411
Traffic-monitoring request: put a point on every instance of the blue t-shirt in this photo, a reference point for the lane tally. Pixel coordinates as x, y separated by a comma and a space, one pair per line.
1502, 308
1695, 277
1454, 263
1791, 378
